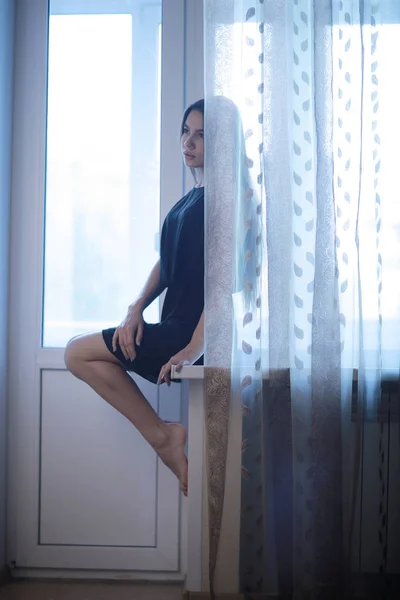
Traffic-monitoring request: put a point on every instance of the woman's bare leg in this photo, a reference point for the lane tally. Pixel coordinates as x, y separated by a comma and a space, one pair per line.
89, 359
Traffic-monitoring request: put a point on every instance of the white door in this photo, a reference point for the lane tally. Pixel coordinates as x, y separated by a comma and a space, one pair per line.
98, 100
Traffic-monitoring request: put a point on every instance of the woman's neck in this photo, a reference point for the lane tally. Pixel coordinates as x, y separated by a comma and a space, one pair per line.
199, 177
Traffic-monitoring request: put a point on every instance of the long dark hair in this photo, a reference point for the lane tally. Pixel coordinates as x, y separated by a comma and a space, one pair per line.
199, 106
225, 134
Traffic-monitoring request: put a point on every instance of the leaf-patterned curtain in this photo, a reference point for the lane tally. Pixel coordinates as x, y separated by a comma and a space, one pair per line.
302, 277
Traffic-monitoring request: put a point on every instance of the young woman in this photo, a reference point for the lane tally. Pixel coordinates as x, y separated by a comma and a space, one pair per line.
102, 359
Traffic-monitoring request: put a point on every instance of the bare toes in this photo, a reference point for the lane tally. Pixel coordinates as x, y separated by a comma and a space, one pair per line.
172, 453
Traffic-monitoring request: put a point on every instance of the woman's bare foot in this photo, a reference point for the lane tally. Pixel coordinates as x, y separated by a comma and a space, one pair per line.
172, 453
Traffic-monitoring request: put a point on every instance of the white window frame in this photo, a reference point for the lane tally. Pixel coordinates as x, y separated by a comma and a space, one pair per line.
29, 155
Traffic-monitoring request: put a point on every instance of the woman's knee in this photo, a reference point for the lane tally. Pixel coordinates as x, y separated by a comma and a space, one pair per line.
73, 357
84, 349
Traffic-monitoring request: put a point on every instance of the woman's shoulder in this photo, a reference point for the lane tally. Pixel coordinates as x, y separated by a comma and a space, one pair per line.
194, 197
195, 192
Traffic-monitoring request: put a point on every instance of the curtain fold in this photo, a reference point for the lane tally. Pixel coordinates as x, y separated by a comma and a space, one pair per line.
295, 278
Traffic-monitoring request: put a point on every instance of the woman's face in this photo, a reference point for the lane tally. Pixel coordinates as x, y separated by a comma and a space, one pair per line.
193, 140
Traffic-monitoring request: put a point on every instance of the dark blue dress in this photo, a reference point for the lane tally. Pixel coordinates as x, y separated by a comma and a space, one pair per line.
182, 272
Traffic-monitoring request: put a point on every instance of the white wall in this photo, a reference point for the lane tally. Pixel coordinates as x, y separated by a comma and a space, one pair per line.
6, 87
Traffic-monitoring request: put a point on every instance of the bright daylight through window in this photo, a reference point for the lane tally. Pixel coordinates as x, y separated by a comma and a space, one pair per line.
103, 144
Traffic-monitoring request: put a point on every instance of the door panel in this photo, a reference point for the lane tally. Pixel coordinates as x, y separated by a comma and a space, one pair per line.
85, 491
87, 448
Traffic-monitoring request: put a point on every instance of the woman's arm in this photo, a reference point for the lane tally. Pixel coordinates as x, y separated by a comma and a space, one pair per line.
152, 289
189, 355
130, 332
196, 344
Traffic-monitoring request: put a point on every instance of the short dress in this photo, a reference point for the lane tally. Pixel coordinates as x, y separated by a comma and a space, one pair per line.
182, 273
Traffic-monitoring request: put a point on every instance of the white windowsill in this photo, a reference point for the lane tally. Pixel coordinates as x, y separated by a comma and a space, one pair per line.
188, 372
197, 372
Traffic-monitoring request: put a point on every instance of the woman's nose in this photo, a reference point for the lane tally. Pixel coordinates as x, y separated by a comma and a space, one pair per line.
189, 142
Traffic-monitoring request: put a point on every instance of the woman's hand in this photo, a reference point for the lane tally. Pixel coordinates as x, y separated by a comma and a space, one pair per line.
187, 356
129, 333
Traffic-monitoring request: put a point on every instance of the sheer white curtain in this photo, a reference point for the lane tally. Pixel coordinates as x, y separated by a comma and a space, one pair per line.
302, 285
